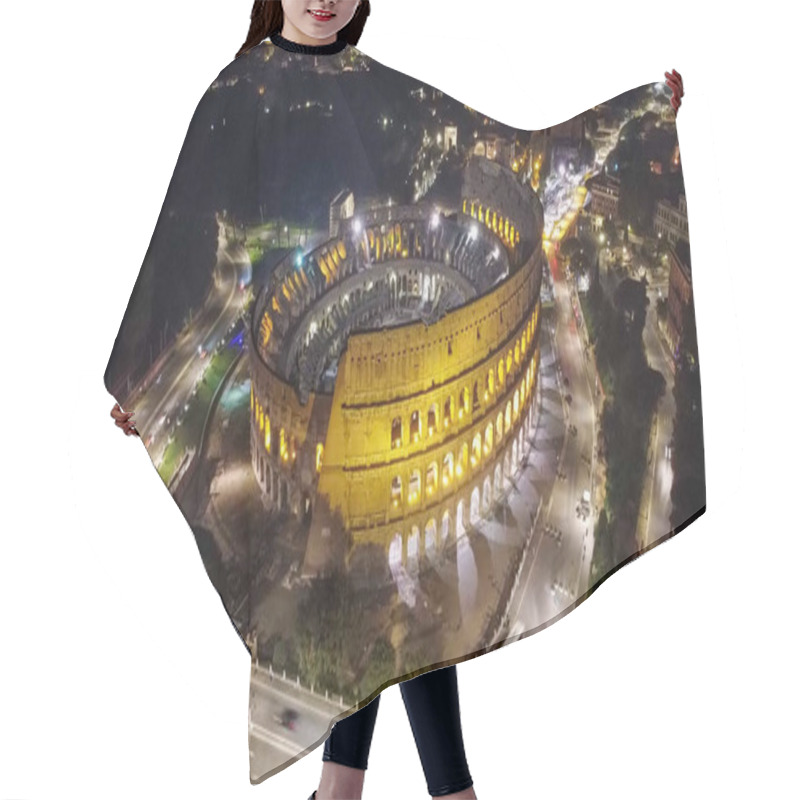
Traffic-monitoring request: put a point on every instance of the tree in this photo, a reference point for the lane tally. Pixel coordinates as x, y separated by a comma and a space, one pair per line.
380, 666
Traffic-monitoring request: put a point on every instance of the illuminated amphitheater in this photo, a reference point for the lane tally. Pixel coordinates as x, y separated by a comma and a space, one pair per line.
394, 368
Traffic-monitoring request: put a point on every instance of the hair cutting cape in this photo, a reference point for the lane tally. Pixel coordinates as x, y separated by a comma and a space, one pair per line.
418, 381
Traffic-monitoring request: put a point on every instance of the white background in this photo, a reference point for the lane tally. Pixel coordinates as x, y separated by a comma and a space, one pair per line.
120, 674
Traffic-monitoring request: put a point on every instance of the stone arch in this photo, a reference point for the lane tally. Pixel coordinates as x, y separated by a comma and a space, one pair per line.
444, 531
433, 419
463, 402
397, 432
413, 545
475, 455
414, 486
430, 539
397, 491
432, 478
460, 529
447, 470
475, 506
463, 460
487, 495
395, 554
415, 429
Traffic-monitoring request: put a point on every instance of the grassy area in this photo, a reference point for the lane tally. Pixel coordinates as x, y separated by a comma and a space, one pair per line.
255, 252
272, 234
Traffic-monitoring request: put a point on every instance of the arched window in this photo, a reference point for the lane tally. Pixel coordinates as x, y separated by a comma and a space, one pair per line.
284, 446
432, 478
448, 412
397, 490
475, 457
397, 433
433, 419
463, 402
447, 470
461, 464
415, 431
414, 487
499, 426
476, 399
488, 439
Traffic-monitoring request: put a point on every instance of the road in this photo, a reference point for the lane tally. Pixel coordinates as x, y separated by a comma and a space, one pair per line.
656, 506
270, 695
556, 571
183, 367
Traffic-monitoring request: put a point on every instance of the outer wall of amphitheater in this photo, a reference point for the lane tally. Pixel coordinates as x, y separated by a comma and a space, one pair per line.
426, 422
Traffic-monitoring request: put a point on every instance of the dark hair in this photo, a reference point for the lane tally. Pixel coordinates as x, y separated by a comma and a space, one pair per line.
266, 18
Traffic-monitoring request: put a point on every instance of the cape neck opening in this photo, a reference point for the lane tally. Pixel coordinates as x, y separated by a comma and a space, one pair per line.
312, 49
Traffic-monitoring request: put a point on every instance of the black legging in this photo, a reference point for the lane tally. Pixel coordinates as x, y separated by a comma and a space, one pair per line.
432, 706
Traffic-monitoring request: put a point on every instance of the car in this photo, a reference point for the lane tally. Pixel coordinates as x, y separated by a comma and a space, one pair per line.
287, 718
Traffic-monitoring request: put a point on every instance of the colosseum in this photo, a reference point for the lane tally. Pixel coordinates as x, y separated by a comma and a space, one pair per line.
393, 369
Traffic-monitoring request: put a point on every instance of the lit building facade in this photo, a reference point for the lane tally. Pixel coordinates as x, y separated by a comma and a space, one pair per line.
605, 196
671, 221
679, 297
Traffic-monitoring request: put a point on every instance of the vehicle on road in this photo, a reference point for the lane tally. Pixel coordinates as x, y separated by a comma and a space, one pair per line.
287, 718
205, 348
